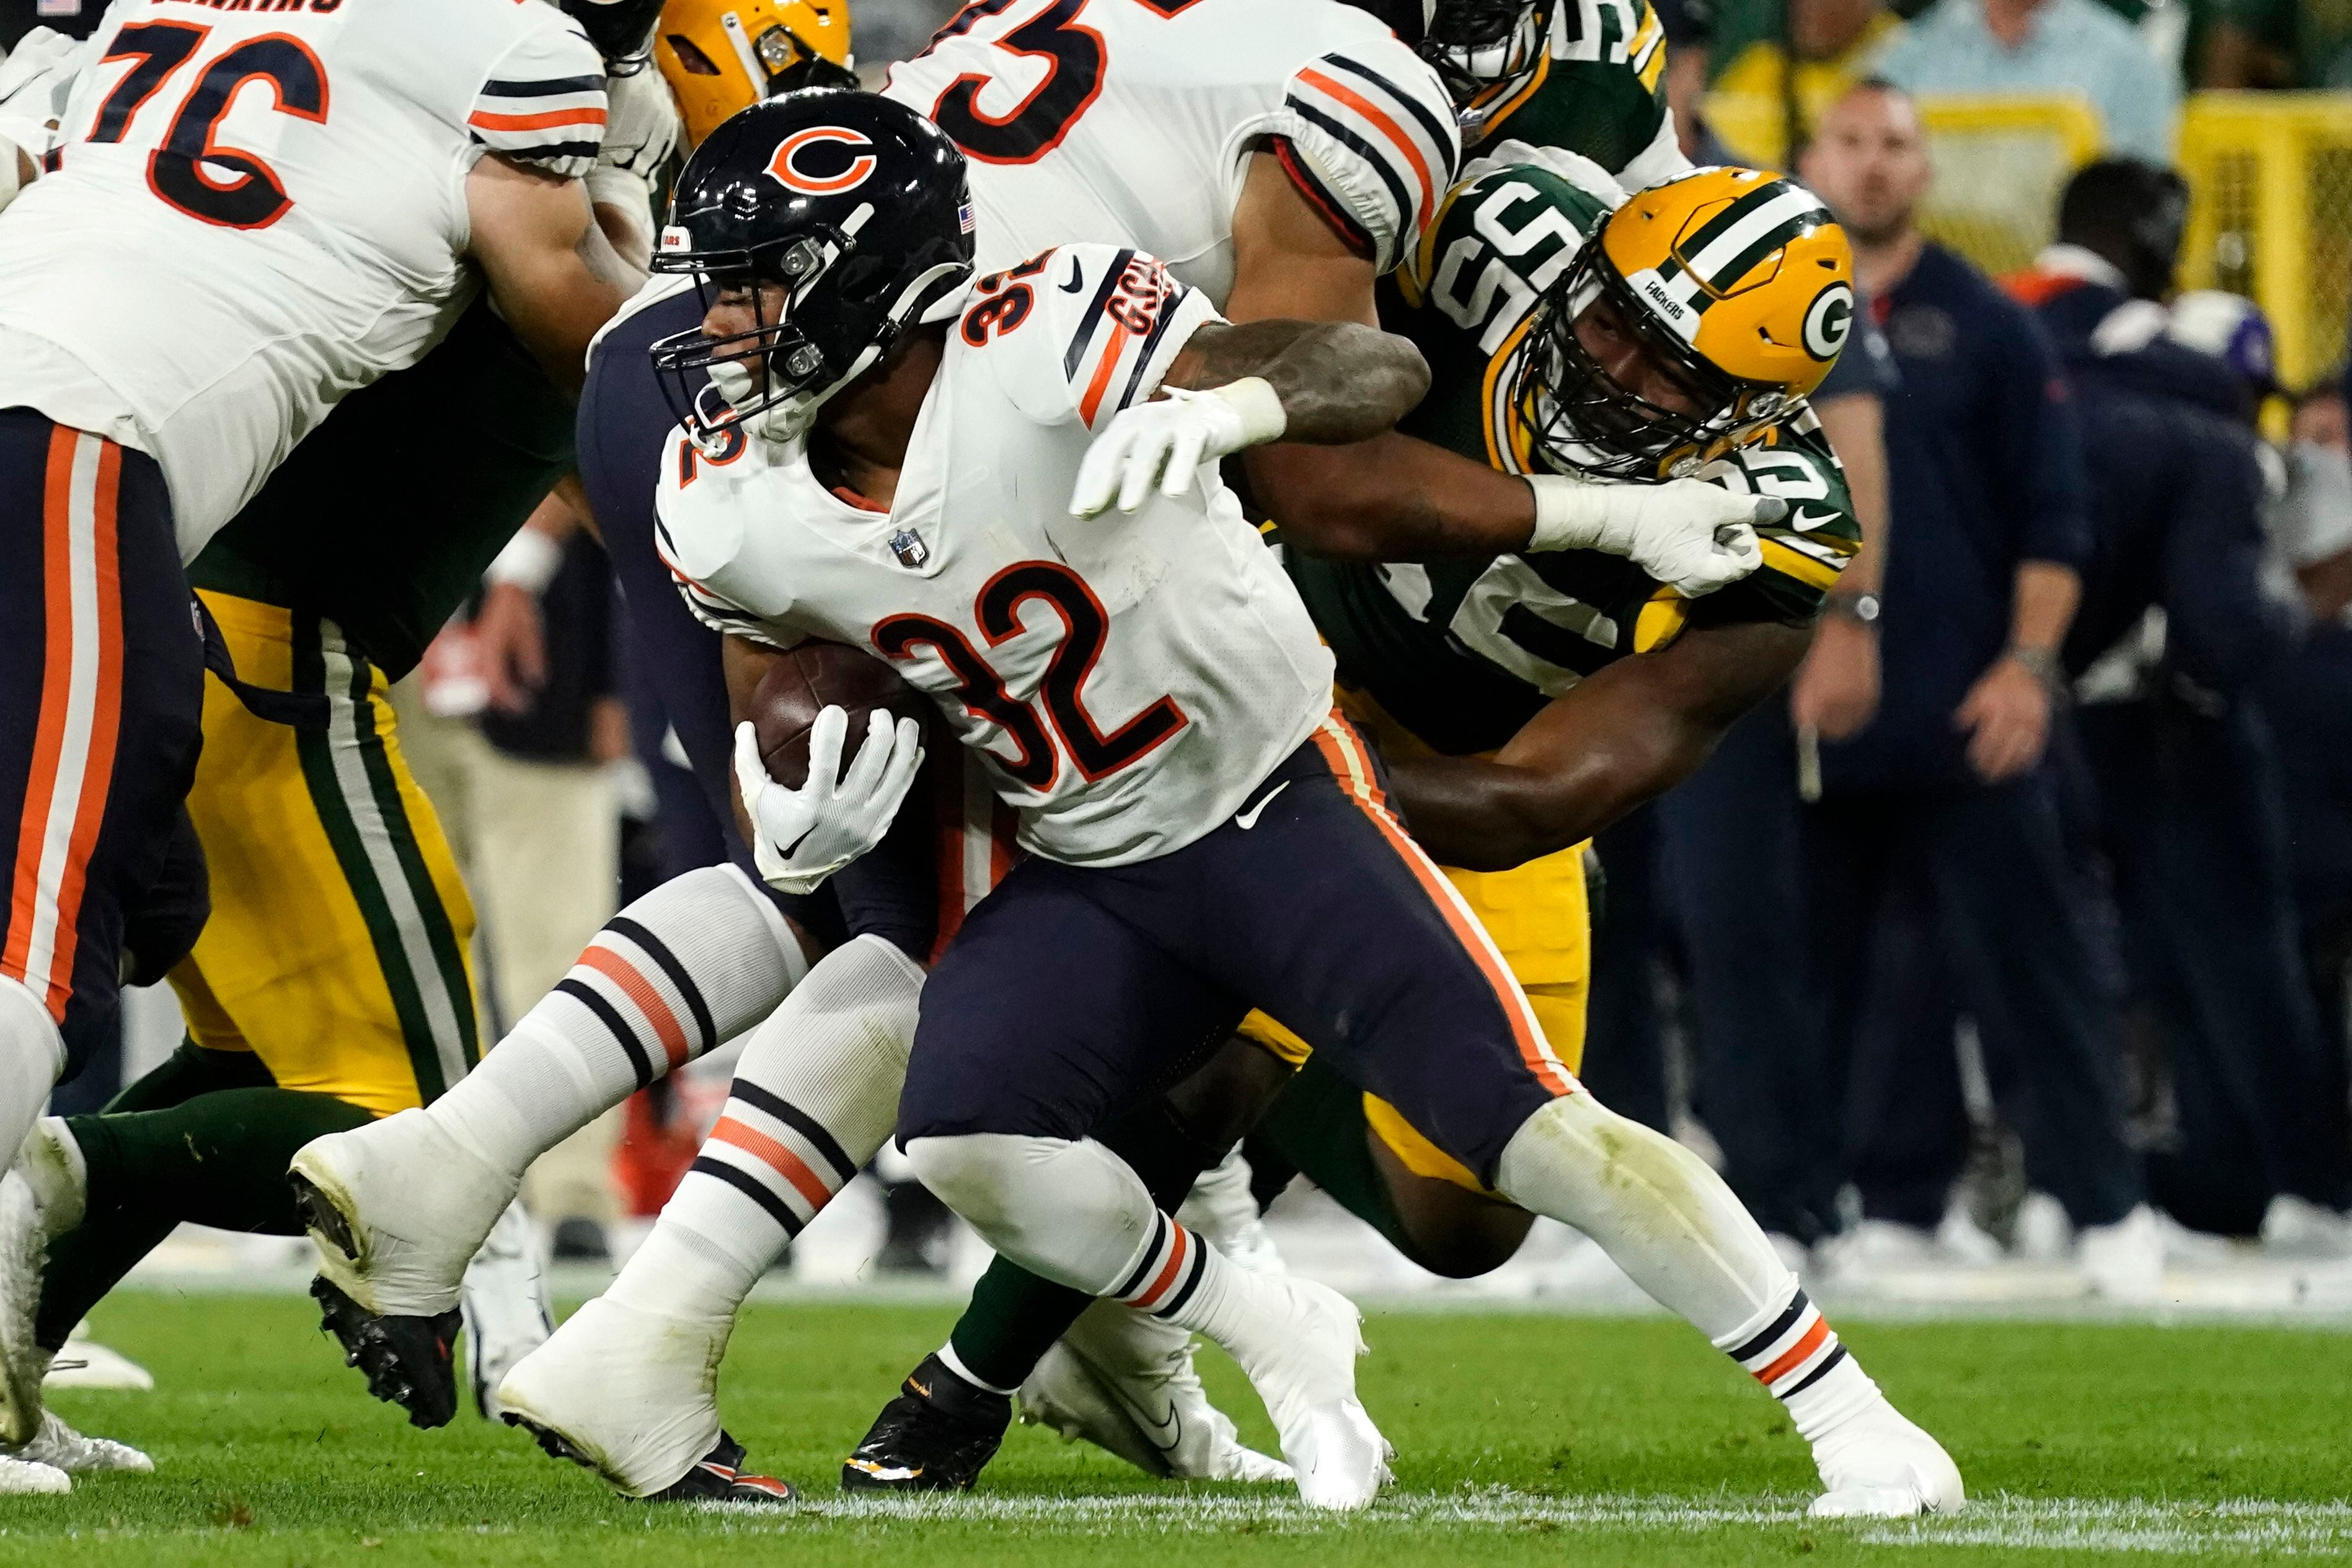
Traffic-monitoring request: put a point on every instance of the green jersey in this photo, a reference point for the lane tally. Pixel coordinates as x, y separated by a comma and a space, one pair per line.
383, 517
1464, 652
1598, 91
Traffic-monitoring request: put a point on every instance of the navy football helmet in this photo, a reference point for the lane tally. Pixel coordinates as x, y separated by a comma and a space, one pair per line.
851, 210
622, 30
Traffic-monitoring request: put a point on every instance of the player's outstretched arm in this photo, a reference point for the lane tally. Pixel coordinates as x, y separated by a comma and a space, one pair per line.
1625, 735
553, 274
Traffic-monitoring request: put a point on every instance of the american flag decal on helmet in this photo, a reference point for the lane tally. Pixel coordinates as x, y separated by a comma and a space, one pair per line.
963, 216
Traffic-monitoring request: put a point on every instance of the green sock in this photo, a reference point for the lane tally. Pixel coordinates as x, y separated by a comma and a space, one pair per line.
215, 1157
1317, 1129
1014, 1317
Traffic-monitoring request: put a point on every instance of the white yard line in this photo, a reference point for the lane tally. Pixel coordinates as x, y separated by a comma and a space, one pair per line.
2233, 1528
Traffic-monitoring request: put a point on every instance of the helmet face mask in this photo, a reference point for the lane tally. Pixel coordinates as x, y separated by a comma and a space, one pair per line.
1583, 420
773, 375
1486, 48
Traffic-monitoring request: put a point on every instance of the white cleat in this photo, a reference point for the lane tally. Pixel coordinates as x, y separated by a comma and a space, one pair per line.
1124, 1381
25, 1478
632, 1394
1222, 1208
2126, 1260
86, 1364
1879, 1465
397, 1209
504, 1300
59, 1446
1304, 1367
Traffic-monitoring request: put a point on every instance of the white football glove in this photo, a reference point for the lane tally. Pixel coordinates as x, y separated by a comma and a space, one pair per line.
800, 837
1691, 535
641, 126
34, 79
1164, 442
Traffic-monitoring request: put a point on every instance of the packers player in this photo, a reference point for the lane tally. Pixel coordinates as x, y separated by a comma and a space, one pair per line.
332, 984
1522, 700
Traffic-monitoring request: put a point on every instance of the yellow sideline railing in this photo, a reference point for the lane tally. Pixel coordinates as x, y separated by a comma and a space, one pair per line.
2271, 216
2270, 175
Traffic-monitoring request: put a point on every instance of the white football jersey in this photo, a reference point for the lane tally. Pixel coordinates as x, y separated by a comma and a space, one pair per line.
1131, 122
1128, 678
256, 208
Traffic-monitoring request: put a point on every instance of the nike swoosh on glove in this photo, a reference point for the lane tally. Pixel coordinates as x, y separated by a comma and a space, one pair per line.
800, 837
1691, 535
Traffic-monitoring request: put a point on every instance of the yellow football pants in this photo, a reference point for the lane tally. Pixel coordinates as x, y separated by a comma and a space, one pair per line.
338, 948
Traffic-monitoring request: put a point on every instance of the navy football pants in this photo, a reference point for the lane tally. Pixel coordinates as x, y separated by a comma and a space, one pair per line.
102, 697
1072, 991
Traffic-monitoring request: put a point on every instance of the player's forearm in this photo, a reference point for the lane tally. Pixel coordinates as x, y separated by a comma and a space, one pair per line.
1338, 381
1491, 815
2046, 595
1390, 498
1624, 737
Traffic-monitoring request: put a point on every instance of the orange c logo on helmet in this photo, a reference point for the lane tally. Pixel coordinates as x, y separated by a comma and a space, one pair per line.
785, 165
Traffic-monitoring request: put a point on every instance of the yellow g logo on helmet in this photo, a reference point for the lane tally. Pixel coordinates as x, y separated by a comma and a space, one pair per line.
1745, 267
721, 56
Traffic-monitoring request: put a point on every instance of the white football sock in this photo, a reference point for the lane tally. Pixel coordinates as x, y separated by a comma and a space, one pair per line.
1075, 1213
815, 1093
1677, 1230
31, 1054
684, 969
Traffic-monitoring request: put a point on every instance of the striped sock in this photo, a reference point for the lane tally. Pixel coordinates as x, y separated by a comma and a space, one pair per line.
1792, 1350
1167, 1275
681, 971
814, 1096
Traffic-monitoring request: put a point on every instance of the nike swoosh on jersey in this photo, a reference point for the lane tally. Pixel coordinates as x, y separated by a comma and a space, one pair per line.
1801, 521
1078, 283
1247, 820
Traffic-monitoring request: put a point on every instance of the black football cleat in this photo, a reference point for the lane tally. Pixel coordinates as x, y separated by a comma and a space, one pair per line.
718, 1477
408, 1360
937, 1435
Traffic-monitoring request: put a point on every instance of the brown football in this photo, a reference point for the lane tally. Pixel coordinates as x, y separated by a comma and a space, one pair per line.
811, 678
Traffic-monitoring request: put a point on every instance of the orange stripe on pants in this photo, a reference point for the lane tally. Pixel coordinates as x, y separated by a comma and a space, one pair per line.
30, 910
106, 723
1344, 752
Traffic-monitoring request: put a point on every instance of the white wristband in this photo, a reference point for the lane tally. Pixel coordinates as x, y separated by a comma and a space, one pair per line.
529, 562
1259, 406
1571, 514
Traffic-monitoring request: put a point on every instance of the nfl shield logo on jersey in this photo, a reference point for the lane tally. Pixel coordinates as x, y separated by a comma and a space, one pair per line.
909, 546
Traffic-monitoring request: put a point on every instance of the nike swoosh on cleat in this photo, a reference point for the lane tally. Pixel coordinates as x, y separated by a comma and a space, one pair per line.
1174, 1426
1078, 282
1247, 820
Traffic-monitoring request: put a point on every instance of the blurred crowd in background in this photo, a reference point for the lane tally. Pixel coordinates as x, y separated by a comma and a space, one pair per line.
2019, 925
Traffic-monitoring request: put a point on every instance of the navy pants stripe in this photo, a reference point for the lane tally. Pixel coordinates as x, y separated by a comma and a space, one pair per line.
102, 699
1072, 991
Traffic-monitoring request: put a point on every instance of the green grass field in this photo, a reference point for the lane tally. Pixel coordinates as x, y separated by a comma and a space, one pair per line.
1520, 1438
